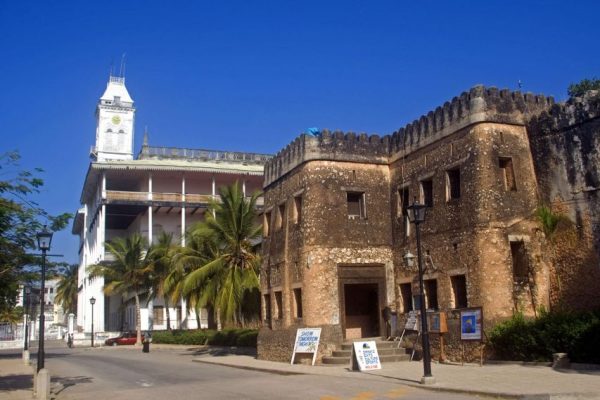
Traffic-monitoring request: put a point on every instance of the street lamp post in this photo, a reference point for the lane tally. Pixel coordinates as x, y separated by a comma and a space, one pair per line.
92, 302
27, 293
416, 215
44, 239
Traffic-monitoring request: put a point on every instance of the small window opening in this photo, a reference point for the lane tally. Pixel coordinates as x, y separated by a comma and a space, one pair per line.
427, 192
267, 223
298, 302
298, 209
459, 291
158, 313
508, 173
356, 205
281, 216
431, 298
453, 184
279, 305
519, 260
267, 306
406, 294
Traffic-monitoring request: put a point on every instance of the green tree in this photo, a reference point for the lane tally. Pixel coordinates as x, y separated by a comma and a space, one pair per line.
201, 247
127, 273
67, 289
20, 219
579, 89
232, 271
161, 256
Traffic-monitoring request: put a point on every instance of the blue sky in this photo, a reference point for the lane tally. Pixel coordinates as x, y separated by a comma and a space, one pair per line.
252, 75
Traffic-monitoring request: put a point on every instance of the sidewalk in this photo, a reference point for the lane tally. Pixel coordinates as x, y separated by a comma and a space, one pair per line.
507, 380
16, 379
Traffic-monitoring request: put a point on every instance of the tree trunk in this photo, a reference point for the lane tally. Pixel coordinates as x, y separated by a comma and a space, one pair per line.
150, 307
168, 313
212, 324
138, 321
198, 311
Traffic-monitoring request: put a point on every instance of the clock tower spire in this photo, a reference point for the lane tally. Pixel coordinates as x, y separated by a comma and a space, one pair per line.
114, 122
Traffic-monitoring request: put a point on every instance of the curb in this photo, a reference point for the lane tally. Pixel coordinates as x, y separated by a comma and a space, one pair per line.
502, 395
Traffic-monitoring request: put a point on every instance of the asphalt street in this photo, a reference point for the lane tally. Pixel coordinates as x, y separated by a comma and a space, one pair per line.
127, 373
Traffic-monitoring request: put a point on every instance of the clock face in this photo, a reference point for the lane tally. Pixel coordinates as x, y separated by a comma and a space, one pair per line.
116, 120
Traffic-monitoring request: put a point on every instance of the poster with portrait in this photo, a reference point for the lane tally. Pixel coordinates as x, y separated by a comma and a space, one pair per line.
471, 324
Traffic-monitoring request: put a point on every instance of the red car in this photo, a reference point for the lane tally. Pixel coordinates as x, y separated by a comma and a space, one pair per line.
123, 338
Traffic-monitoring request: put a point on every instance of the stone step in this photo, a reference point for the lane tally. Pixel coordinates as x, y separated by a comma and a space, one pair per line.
336, 360
381, 352
380, 345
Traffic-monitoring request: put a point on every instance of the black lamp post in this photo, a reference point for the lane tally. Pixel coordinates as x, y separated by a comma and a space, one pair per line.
44, 239
416, 215
92, 302
26, 294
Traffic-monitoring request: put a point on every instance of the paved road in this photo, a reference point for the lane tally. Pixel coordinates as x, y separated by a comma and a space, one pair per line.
124, 373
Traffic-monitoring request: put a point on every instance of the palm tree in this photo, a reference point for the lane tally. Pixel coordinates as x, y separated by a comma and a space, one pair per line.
161, 256
233, 270
201, 247
128, 273
67, 289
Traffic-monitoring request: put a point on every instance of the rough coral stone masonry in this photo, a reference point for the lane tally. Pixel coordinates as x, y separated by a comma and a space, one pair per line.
336, 230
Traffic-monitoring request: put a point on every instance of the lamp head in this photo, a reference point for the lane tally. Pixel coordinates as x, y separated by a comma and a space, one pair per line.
44, 239
409, 259
93, 301
416, 212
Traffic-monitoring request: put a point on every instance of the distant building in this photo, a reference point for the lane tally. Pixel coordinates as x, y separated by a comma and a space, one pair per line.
163, 189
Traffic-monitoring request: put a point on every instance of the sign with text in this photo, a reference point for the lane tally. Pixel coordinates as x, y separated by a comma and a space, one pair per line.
366, 355
437, 322
471, 324
307, 341
412, 322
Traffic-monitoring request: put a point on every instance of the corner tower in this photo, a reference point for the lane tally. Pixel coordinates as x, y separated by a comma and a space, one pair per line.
114, 123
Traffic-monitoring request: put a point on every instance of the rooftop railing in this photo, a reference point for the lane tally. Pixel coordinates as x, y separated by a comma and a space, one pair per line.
149, 152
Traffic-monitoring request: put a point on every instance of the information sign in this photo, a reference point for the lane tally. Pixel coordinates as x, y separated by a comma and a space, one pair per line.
471, 324
412, 322
366, 355
307, 341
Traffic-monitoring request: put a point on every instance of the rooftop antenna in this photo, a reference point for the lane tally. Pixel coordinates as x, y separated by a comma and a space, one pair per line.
112, 67
122, 70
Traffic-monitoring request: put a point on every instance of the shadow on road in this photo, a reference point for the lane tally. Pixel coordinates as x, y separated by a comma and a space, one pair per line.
65, 382
218, 351
16, 382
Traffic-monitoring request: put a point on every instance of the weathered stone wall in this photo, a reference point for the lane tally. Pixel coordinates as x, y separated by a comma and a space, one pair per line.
278, 344
566, 153
470, 235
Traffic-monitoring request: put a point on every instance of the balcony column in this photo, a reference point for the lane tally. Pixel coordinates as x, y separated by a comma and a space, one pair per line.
150, 210
183, 210
103, 193
214, 187
244, 187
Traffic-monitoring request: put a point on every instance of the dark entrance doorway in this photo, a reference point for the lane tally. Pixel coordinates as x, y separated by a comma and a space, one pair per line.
361, 305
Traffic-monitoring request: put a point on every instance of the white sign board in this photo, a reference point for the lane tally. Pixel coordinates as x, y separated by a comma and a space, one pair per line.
366, 355
307, 341
412, 322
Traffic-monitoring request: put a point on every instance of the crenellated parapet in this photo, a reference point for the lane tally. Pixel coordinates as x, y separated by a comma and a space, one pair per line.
328, 145
562, 116
480, 104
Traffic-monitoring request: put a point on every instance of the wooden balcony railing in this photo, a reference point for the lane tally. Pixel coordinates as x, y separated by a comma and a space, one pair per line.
119, 195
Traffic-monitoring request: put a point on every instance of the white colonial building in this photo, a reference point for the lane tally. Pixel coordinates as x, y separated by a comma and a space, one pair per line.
164, 189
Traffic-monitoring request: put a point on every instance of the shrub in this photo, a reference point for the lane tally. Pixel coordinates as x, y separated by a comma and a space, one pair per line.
189, 337
226, 337
537, 339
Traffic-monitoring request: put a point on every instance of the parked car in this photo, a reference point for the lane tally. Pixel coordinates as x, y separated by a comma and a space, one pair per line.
123, 338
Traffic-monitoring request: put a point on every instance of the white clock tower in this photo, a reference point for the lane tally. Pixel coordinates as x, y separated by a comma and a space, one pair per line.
114, 123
